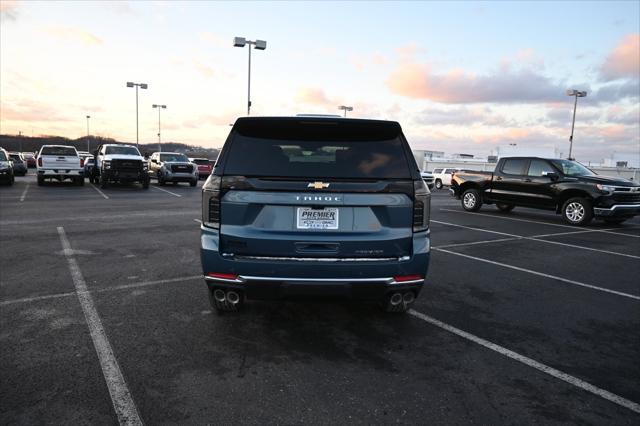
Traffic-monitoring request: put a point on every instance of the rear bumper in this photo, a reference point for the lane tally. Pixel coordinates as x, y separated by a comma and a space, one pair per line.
270, 278
618, 210
61, 173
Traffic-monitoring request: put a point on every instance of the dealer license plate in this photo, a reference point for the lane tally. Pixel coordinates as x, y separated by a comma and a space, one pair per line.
308, 218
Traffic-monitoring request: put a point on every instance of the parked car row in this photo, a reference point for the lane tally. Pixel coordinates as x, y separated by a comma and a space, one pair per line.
110, 163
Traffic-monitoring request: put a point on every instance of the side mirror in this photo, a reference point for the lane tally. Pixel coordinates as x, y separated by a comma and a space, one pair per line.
95, 153
146, 155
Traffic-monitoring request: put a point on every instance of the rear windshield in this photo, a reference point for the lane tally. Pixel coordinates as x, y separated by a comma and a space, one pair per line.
121, 150
358, 149
202, 162
15, 157
58, 150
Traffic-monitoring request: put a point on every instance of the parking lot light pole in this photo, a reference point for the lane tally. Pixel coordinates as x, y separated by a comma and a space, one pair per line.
258, 44
142, 86
577, 94
88, 148
159, 108
345, 109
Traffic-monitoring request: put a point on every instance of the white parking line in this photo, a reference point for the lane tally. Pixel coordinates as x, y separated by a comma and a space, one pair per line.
616, 399
539, 239
607, 231
100, 192
24, 193
168, 192
565, 280
121, 398
501, 240
102, 290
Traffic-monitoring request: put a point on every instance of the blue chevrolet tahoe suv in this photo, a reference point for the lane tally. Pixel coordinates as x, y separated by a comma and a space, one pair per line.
315, 207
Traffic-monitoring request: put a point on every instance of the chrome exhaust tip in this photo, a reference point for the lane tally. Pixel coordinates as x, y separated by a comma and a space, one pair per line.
233, 297
219, 295
408, 297
396, 299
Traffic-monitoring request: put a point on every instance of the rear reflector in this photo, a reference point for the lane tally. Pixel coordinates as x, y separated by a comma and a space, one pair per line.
404, 278
223, 276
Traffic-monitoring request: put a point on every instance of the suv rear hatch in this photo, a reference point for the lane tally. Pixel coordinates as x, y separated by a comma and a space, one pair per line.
314, 188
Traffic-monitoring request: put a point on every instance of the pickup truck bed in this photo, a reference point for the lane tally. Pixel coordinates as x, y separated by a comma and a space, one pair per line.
564, 186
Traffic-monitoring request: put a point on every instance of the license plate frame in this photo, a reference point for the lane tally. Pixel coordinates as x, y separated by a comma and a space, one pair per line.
305, 219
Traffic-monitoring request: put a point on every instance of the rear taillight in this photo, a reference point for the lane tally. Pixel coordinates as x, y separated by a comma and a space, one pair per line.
405, 278
39, 161
82, 162
211, 202
421, 206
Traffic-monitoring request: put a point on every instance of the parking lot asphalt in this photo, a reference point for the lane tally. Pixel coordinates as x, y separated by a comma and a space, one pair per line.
104, 319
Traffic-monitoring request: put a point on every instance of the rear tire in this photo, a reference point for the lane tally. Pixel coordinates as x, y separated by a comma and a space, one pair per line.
577, 211
438, 184
40, 181
505, 208
193, 183
160, 179
471, 201
103, 181
616, 221
80, 181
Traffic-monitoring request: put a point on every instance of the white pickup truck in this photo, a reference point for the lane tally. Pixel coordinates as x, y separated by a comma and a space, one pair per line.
60, 162
442, 177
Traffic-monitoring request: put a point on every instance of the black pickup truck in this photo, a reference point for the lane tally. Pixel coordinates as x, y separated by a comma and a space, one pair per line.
565, 186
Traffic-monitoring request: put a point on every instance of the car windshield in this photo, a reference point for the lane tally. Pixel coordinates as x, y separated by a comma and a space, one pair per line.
123, 150
572, 168
3, 156
58, 150
174, 158
15, 157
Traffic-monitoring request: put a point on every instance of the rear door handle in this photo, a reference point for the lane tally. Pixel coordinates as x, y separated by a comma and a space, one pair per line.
527, 180
499, 178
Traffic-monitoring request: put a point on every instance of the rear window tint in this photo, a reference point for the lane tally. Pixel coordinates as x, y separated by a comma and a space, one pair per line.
515, 166
319, 159
58, 150
437, 170
202, 162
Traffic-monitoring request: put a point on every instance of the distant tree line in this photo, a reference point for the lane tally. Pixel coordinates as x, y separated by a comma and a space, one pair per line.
33, 144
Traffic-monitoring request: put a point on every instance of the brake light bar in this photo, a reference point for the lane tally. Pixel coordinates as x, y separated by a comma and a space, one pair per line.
40, 161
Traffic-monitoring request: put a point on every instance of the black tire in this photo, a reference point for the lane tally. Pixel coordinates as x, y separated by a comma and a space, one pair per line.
577, 211
40, 180
13, 179
104, 182
505, 208
193, 183
80, 181
145, 184
160, 179
471, 200
224, 306
438, 184
615, 221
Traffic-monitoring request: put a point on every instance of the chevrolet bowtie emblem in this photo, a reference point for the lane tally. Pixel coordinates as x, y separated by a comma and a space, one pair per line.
318, 185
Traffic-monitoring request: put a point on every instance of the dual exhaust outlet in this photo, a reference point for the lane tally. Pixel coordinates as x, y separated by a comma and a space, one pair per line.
398, 298
229, 296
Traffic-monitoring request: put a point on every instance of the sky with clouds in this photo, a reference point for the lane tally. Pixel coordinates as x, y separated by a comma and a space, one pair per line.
458, 76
